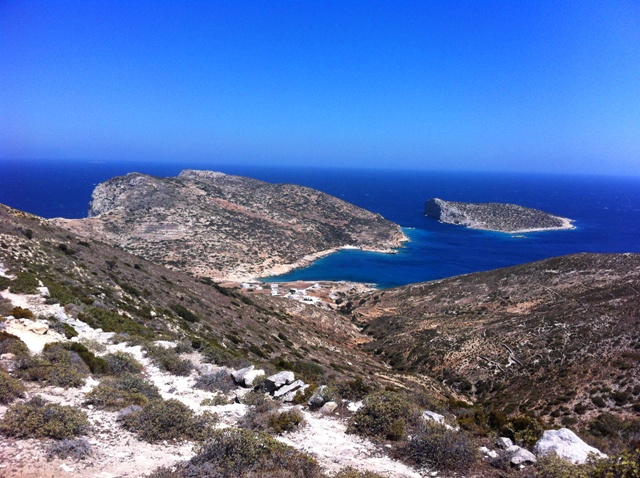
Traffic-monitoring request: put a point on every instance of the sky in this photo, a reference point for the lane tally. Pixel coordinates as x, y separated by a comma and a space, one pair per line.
520, 85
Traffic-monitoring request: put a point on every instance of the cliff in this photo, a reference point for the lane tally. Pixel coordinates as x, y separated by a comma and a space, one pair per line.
499, 217
228, 227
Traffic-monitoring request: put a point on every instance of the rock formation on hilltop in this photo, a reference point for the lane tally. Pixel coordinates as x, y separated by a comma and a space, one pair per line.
228, 227
494, 216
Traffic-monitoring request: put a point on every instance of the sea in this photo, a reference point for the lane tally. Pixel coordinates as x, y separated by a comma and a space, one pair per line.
606, 211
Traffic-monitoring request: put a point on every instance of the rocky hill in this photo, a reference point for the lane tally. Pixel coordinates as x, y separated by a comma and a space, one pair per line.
111, 365
559, 337
228, 227
492, 216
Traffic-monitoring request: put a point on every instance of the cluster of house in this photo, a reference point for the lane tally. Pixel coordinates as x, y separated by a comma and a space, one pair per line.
308, 293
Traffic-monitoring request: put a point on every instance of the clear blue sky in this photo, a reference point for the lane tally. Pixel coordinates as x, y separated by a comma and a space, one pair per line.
529, 85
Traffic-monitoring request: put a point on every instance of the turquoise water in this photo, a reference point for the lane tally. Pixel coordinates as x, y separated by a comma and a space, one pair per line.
606, 211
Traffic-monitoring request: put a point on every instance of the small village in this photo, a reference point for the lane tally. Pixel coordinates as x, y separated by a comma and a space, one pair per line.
326, 294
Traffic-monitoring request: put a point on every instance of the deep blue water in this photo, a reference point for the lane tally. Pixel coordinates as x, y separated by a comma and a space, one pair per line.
606, 210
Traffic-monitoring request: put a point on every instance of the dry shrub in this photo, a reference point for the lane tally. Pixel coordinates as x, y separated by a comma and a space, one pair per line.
10, 388
54, 366
10, 344
39, 419
169, 360
383, 415
122, 362
171, 419
115, 393
436, 445
77, 450
220, 381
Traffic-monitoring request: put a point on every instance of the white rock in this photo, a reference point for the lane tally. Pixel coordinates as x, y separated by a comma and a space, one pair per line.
39, 328
433, 416
520, 456
274, 382
504, 443
288, 388
355, 406
567, 445
487, 452
291, 395
246, 376
329, 407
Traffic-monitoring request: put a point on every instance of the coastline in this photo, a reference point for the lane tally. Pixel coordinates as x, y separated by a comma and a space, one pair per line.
567, 224
309, 259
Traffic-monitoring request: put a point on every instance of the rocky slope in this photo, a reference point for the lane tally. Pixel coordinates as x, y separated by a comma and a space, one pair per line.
559, 337
116, 302
228, 227
499, 217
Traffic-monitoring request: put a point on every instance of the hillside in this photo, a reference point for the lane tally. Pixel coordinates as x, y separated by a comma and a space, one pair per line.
228, 227
559, 337
125, 366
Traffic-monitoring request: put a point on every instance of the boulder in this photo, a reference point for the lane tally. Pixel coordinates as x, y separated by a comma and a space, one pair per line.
520, 456
488, 453
329, 407
567, 445
291, 395
246, 377
274, 382
319, 397
503, 443
355, 406
433, 416
39, 328
282, 391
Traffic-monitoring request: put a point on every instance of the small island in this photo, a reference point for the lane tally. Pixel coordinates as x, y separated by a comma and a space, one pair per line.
492, 216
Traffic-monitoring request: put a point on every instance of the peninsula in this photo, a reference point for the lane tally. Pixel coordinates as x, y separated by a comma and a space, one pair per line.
492, 216
225, 227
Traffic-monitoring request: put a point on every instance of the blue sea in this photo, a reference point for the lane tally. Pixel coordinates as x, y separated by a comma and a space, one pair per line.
606, 211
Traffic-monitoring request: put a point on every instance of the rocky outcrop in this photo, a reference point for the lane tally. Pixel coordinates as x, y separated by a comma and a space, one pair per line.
228, 227
567, 445
492, 216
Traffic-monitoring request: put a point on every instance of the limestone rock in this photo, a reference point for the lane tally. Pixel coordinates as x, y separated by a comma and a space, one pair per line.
282, 391
246, 377
289, 397
329, 407
504, 443
520, 456
319, 397
567, 445
432, 416
354, 406
488, 453
39, 328
274, 382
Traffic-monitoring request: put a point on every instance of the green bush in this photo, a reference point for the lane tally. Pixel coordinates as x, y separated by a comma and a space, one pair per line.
20, 313
122, 362
54, 366
116, 393
111, 321
10, 344
523, 429
10, 388
40, 419
285, 421
383, 415
233, 452
171, 419
552, 466
96, 365
435, 445
24, 283
169, 360
185, 313
353, 390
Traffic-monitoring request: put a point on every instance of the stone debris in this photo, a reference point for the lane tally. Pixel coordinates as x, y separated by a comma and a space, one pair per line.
246, 377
